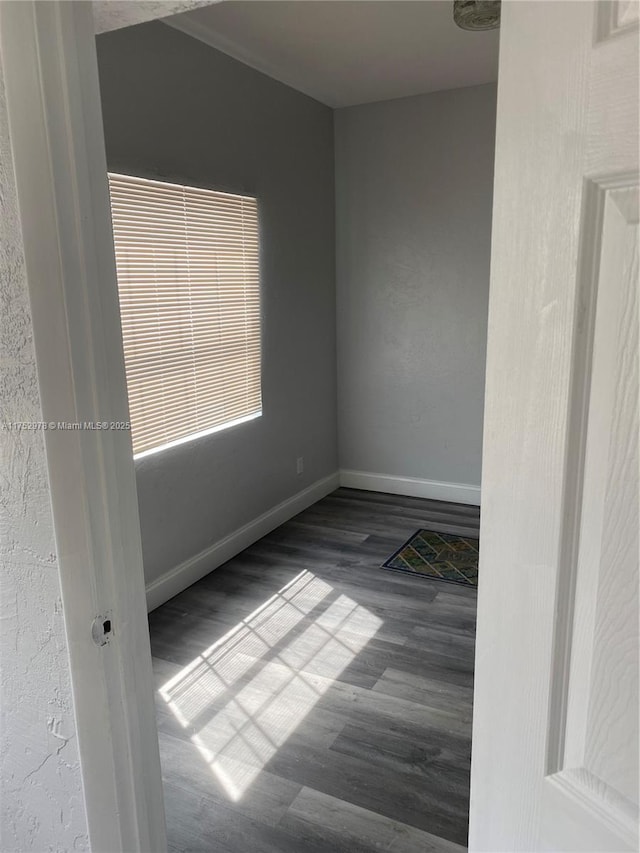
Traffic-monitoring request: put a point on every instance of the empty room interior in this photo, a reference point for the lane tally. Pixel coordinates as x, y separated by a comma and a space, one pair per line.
301, 199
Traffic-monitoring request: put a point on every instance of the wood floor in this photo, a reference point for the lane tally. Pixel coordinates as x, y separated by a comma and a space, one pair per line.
310, 701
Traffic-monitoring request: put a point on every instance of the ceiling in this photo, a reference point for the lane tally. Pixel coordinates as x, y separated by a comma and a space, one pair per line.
346, 52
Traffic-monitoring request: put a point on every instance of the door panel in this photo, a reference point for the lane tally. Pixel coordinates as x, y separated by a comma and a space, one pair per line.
598, 768
555, 741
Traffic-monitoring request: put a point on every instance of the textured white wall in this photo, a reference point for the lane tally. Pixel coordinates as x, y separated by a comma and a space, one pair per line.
116, 14
414, 182
41, 796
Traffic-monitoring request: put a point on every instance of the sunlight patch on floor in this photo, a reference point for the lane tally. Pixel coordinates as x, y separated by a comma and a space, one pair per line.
245, 695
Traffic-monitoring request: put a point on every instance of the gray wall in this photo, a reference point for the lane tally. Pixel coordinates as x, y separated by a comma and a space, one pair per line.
175, 108
413, 193
41, 795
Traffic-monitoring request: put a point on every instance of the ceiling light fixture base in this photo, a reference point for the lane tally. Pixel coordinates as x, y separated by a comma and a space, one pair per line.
477, 14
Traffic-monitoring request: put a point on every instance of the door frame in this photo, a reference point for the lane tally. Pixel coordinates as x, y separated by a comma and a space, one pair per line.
53, 102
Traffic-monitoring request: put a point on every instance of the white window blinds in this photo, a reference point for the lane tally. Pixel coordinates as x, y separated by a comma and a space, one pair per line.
188, 279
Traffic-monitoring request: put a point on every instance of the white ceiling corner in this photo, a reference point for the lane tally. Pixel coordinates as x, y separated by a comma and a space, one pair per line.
346, 52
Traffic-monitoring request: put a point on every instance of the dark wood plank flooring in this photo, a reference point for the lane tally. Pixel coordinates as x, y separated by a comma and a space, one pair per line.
310, 701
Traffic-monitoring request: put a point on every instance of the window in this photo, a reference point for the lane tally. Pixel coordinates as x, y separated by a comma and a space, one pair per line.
188, 279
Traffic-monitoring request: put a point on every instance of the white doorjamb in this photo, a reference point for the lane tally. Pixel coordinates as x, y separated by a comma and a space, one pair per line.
49, 63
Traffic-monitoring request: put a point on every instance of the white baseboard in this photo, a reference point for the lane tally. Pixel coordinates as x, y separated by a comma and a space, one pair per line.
182, 576
191, 570
413, 487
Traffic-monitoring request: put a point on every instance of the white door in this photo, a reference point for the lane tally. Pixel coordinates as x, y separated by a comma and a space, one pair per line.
555, 737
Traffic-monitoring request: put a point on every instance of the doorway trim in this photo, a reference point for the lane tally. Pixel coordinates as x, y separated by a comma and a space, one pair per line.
53, 102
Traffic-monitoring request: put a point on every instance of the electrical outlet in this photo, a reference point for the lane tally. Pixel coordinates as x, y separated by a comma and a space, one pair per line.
299, 464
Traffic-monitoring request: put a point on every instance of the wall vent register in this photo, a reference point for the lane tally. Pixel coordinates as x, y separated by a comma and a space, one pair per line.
188, 280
